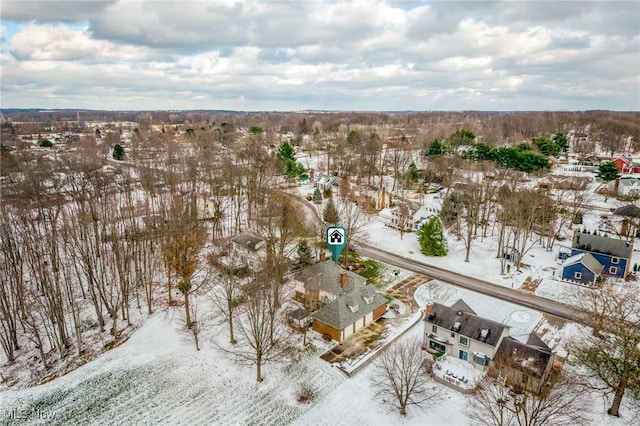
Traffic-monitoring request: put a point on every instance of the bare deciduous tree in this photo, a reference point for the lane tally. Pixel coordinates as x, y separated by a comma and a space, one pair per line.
496, 405
612, 351
401, 377
261, 328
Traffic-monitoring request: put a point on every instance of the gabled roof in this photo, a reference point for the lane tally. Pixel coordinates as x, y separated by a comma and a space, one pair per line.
246, 240
628, 210
531, 358
603, 245
326, 275
466, 323
355, 302
461, 306
587, 260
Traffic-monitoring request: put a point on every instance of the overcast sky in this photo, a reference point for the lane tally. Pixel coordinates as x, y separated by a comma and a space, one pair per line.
324, 54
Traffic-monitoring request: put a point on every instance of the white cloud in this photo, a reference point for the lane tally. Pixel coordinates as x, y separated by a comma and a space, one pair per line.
322, 54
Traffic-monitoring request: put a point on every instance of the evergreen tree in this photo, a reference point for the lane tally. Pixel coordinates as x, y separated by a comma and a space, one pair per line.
304, 255
546, 145
462, 137
561, 141
118, 152
330, 214
317, 196
608, 171
414, 174
431, 238
437, 148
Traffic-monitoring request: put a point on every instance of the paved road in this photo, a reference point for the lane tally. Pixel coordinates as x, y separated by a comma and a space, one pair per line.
468, 282
464, 280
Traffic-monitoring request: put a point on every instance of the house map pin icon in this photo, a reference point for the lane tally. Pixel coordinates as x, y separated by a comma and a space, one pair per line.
336, 240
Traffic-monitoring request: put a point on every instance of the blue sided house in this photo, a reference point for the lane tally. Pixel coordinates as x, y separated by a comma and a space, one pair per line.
595, 255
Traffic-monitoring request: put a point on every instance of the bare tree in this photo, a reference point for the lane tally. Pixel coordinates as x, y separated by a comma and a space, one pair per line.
401, 377
493, 404
226, 296
612, 351
261, 328
353, 219
181, 248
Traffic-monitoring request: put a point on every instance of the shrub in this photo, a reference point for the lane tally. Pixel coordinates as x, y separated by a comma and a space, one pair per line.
305, 393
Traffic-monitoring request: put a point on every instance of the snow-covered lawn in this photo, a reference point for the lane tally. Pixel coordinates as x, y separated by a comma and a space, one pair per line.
157, 376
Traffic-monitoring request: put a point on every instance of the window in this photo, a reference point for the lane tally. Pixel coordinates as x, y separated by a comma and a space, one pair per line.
464, 341
453, 334
463, 355
615, 260
577, 275
437, 346
480, 359
434, 328
613, 270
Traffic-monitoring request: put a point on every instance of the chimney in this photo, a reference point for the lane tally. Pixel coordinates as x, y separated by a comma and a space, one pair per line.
429, 308
323, 256
343, 279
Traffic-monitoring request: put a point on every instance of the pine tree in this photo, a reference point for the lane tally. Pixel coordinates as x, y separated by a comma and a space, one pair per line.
118, 152
304, 255
317, 196
330, 214
431, 238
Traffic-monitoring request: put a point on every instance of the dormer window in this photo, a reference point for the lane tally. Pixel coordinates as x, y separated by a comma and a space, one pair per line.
457, 325
484, 333
367, 299
354, 308
615, 260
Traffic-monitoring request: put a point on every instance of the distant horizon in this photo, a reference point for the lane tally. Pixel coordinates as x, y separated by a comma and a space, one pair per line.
321, 55
304, 111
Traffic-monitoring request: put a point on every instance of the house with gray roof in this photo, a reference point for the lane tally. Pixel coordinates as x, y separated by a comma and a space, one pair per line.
459, 332
342, 300
613, 254
583, 268
245, 253
524, 365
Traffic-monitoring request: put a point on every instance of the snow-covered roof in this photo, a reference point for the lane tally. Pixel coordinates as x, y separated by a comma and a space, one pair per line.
587, 260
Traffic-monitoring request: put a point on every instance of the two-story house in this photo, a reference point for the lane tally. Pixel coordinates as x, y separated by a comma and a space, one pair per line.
459, 332
595, 255
245, 253
341, 301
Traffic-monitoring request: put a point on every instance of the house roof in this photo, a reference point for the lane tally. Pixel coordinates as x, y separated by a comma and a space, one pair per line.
628, 182
603, 245
587, 260
327, 275
531, 358
629, 210
355, 302
461, 306
298, 314
468, 324
249, 241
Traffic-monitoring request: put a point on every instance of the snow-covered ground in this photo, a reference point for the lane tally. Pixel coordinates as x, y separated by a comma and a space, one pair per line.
157, 376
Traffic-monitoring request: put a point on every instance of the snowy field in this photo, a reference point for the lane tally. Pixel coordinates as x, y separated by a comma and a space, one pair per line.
157, 376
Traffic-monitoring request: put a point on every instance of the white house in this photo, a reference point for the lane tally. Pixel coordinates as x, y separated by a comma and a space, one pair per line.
458, 332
